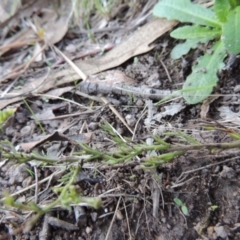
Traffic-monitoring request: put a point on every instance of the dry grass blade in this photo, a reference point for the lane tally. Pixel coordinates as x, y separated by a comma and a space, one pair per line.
71, 63
114, 110
114, 216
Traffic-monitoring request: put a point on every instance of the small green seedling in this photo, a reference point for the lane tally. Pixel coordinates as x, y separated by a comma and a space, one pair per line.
181, 205
30, 172
220, 24
6, 114
214, 207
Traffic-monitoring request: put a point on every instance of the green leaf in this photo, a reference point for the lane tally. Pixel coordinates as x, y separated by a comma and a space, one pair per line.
195, 32
5, 114
221, 9
184, 209
203, 78
214, 207
234, 3
185, 11
196, 87
231, 32
212, 61
183, 48
178, 202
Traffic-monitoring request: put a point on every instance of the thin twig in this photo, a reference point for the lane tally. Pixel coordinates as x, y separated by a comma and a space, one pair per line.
114, 110
166, 70
37, 185
207, 166
114, 216
210, 146
130, 236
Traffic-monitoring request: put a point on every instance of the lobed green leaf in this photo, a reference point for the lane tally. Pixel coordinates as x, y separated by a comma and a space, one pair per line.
221, 9
196, 88
231, 31
185, 11
212, 61
203, 78
183, 48
195, 32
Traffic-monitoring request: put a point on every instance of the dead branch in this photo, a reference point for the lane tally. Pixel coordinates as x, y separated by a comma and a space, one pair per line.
123, 90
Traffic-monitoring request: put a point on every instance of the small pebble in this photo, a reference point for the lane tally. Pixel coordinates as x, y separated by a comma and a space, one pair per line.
216, 170
221, 232
10, 131
228, 173
25, 131
119, 215
27, 182
237, 89
227, 98
71, 48
88, 230
120, 130
131, 120
94, 216
139, 103
93, 126
164, 220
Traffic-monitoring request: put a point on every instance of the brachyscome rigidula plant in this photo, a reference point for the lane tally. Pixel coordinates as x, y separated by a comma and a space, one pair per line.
220, 24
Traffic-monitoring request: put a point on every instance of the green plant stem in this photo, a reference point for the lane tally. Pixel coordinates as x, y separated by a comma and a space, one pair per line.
35, 118
26, 157
127, 153
63, 192
210, 146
